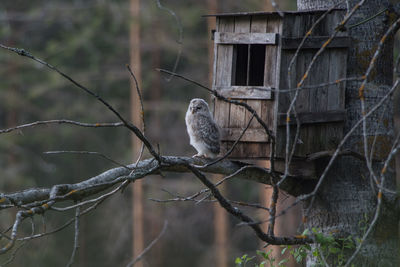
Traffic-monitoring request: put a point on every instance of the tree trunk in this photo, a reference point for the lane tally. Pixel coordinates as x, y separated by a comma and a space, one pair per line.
346, 196
137, 198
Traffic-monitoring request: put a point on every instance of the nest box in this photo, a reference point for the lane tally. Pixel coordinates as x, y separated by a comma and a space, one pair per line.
252, 55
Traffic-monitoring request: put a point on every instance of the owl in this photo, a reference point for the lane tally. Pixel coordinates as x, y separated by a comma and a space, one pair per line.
202, 129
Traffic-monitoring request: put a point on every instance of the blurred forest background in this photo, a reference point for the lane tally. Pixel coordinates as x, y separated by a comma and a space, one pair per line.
89, 40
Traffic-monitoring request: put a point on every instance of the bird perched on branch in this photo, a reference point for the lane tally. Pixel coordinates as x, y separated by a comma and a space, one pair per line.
202, 129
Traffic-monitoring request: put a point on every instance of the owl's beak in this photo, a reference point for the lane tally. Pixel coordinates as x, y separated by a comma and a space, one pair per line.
194, 109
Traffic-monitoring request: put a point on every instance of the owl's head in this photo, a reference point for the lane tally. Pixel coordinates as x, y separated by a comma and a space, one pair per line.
198, 105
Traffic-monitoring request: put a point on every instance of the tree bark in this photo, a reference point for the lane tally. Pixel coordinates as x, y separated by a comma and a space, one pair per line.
346, 196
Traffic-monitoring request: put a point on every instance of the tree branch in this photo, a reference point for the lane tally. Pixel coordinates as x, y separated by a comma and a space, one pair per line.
32, 197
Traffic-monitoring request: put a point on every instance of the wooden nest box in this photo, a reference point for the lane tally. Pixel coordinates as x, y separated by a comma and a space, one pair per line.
252, 55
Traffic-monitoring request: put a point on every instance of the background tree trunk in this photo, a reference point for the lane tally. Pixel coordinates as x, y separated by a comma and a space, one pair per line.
346, 195
137, 198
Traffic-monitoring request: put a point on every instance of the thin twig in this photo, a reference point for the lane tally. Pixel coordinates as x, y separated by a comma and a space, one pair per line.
76, 237
37, 123
12, 257
152, 243
275, 6
179, 41
88, 153
91, 200
138, 91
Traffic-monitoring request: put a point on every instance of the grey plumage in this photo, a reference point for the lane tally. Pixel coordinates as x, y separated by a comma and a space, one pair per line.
202, 129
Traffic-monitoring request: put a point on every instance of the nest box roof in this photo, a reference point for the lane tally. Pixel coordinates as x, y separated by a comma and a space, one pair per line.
260, 13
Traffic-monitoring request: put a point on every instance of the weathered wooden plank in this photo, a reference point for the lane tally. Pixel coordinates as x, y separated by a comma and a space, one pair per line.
237, 113
221, 113
256, 105
224, 54
319, 134
333, 19
271, 53
320, 28
251, 135
247, 150
223, 71
294, 26
302, 61
302, 24
303, 95
315, 42
337, 70
245, 38
336, 92
258, 25
282, 100
315, 117
267, 113
319, 74
242, 24
246, 92
271, 77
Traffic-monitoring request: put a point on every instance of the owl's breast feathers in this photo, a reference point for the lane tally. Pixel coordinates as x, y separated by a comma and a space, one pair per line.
207, 132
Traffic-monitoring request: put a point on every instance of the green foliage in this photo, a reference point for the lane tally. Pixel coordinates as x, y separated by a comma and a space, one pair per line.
333, 248
326, 247
242, 261
267, 259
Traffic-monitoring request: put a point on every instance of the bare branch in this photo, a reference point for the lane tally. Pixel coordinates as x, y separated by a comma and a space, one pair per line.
142, 110
270, 239
179, 41
88, 153
37, 123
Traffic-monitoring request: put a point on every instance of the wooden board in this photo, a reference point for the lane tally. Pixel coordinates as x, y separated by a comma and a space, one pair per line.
245, 38
315, 117
258, 26
249, 150
223, 71
246, 92
251, 135
237, 118
314, 42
